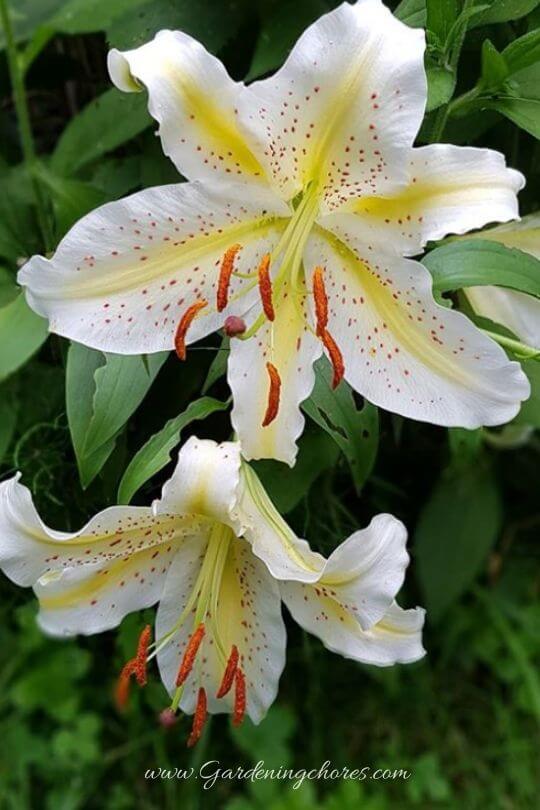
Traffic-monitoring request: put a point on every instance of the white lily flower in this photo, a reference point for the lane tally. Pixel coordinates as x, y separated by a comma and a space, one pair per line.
213, 551
305, 197
517, 311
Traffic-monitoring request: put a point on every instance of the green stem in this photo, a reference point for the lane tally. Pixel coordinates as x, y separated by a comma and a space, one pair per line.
23, 119
521, 350
442, 113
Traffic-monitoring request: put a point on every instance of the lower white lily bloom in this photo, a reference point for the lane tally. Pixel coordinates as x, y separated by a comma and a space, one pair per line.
517, 311
305, 201
217, 556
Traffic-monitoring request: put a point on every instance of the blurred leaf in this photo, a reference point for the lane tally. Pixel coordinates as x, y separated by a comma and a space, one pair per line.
156, 452
287, 486
85, 16
355, 432
8, 419
281, 26
481, 262
103, 125
456, 530
120, 386
270, 741
208, 21
8, 289
502, 11
71, 199
16, 207
218, 366
530, 409
82, 364
22, 332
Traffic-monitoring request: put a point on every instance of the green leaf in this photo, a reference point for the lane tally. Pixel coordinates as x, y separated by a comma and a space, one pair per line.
530, 409
120, 386
494, 66
521, 102
441, 15
441, 85
355, 432
480, 262
456, 530
218, 366
22, 332
210, 22
82, 364
8, 420
503, 11
107, 122
71, 199
280, 29
523, 52
156, 452
287, 486
412, 12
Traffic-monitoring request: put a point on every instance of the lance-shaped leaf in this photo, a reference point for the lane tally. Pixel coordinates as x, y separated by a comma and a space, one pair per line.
156, 452
355, 432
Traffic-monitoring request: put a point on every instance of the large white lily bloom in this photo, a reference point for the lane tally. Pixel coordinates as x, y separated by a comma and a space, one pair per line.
214, 552
305, 195
517, 311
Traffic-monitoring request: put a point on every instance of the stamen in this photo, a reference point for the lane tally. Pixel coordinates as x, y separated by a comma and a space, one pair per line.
225, 273
321, 300
189, 655
199, 719
273, 395
229, 674
121, 692
265, 287
183, 326
239, 698
336, 358
142, 652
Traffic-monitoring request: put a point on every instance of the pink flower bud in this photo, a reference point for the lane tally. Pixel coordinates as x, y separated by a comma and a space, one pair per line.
168, 718
234, 326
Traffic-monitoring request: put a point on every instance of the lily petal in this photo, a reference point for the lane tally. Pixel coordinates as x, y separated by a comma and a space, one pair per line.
451, 189
205, 482
89, 580
291, 348
193, 99
366, 571
517, 311
404, 352
249, 617
124, 275
395, 639
345, 108
272, 540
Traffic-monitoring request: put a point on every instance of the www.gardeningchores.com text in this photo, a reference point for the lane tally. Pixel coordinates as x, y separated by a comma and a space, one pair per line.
212, 772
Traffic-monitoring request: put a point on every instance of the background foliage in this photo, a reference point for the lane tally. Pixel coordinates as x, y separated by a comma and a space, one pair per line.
88, 430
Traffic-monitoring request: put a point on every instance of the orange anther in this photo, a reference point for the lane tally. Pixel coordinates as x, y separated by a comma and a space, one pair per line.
273, 395
189, 655
121, 692
336, 358
230, 672
142, 652
239, 698
225, 273
265, 287
199, 718
183, 326
321, 300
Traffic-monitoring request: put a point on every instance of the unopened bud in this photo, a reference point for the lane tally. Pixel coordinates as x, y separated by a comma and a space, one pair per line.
168, 718
234, 326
